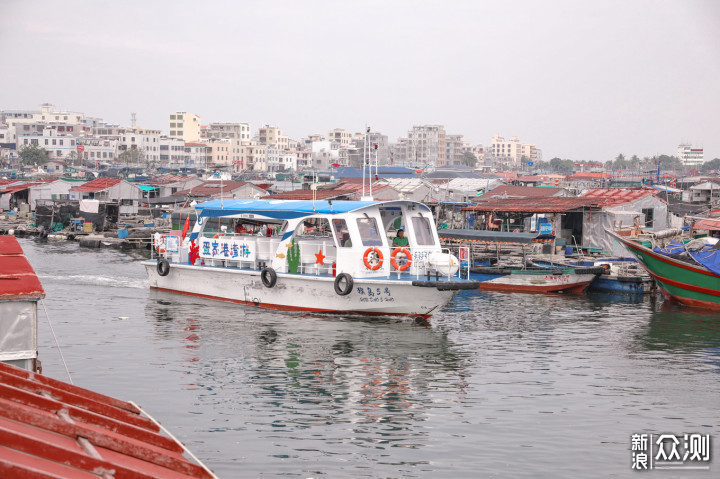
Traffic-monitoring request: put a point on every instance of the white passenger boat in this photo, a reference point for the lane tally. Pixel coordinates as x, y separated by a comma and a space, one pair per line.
316, 256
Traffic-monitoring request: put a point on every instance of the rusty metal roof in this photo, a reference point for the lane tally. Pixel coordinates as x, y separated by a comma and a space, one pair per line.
551, 204
707, 224
17, 278
49, 428
618, 196
522, 191
96, 185
214, 188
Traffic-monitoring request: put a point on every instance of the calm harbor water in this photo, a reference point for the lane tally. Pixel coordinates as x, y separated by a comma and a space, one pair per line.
498, 385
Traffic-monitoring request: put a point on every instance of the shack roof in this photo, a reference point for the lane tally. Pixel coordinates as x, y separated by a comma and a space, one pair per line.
523, 191
97, 185
23, 185
213, 188
17, 277
552, 204
618, 196
49, 428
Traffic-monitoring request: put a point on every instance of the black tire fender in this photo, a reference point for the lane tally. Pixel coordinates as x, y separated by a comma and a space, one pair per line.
268, 276
343, 290
163, 267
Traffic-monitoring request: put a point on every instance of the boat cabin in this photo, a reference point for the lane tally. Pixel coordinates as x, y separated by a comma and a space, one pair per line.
361, 238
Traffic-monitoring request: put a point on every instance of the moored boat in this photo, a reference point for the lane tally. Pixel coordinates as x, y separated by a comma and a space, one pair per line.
315, 256
520, 279
681, 277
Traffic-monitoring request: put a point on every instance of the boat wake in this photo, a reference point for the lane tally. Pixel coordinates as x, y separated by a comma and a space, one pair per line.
96, 280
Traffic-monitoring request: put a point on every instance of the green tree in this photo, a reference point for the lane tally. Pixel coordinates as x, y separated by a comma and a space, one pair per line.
711, 165
469, 159
132, 156
33, 155
561, 166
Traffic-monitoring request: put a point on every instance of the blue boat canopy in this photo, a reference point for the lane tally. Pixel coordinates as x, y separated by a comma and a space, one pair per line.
280, 209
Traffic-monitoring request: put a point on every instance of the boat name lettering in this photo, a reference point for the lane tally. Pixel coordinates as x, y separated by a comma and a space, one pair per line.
226, 249
374, 291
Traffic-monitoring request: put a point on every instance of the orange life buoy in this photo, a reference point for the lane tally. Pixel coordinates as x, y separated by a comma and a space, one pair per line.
394, 263
366, 259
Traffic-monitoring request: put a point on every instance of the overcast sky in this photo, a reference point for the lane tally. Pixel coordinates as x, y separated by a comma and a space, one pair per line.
581, 80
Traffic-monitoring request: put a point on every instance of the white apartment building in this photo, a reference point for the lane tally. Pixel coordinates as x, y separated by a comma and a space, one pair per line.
236, 131
427, 145
689, 156
185, 125
172, 152
399, 152
279, 161
509, 153
147, 142
195, 156
57, 147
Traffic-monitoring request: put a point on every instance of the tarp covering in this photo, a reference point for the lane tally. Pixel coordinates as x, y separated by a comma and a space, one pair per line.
283, 209
708, 255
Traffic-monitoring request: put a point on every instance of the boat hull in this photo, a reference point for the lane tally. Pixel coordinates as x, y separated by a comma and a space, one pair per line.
627, 285
369, 297
533, 282
686, 283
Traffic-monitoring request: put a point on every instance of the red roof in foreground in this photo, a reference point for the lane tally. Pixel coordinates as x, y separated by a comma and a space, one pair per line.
522, 191
707, 224
17, 278
98, 184
49, 428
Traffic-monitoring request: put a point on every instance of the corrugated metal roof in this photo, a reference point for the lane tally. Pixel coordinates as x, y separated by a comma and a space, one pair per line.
522, 191
49, 428
96, 185
707, 224
23, 185
552, 204
617, 196
17, 277
213, 188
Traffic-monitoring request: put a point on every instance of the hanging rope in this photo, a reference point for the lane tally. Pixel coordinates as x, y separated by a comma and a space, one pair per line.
56, 342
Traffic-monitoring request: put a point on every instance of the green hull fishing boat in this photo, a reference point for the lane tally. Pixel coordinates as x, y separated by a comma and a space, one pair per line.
686, 281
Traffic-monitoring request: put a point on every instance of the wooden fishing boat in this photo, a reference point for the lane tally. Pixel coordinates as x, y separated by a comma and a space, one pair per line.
679, 278
518, 279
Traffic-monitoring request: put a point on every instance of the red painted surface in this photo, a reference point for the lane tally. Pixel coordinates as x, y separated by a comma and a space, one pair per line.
97, 185
515, 288
281, 307
17, 278
49, 428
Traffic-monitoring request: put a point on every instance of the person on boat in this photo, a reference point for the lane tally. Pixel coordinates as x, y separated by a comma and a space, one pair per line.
400, 239
240, 229
346, 240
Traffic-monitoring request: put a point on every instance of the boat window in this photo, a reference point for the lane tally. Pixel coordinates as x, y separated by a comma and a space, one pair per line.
369, 233
314, 227
423, 231
342, 233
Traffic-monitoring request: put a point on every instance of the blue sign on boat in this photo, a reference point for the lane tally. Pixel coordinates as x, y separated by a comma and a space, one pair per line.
545, 228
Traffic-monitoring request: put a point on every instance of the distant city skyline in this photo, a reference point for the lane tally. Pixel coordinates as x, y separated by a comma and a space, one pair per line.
582, 81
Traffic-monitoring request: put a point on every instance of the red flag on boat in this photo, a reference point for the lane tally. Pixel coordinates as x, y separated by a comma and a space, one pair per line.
186, 227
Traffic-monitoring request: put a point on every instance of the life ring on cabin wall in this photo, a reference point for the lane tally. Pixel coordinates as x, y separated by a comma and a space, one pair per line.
163, 267
394, 263
366, 259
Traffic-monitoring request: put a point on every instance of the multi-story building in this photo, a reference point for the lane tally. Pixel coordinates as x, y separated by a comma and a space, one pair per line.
185, 125
195, 155
455, 149
272, 135
280, 160
342, 137
143, 146
689, 156
172, 152
236, 131
509, 154
427, 145
379, 149
399, 152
